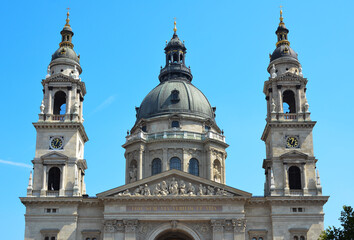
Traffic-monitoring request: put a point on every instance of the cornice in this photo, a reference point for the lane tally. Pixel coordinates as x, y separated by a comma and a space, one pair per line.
59, 77
69, 125
51, 200
279, 124
287, 200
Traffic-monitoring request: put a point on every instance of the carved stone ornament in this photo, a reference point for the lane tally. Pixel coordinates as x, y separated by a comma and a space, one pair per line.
113, 225
175, 187
239, 224
42, 108
130, 225
174, 224
218, 225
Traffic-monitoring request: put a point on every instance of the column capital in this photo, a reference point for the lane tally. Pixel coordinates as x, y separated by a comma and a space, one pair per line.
218, 225
239, 224
130, 225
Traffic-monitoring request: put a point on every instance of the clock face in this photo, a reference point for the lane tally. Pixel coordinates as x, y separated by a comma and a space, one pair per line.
292, 142
56, 143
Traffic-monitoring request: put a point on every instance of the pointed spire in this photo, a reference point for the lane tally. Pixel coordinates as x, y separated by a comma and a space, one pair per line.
281, 17
175, 28
67, 18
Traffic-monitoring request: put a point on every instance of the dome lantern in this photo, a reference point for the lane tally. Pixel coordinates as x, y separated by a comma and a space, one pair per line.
175, 67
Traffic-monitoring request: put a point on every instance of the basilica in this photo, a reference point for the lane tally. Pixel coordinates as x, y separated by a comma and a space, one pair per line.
175, 165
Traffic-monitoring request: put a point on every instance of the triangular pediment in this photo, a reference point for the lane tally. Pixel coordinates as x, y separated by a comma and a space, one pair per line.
54, 155
174, 183
294, 154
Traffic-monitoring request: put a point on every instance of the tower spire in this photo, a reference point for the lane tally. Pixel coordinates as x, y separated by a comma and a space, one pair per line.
175, 27
67, 18
282, 31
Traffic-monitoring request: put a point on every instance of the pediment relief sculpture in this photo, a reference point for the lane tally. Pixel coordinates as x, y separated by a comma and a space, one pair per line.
175, 187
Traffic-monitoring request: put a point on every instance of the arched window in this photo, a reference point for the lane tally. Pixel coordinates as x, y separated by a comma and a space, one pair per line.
156, 166
289, 102
54, 179
302, 238
175, 163
194, 167
294, 178
175, 58
59, 103
296, 238
175, 124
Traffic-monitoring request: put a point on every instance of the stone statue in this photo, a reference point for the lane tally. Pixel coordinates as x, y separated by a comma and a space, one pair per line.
164, 188
217, 176
139, 191
76, 108
132, 174
306, 106
210, 191
300, 72
182, 187
173, 187
273, 106
75, 73
272, 72
42, 108
200, 190
157, 190
190, 189
146, 190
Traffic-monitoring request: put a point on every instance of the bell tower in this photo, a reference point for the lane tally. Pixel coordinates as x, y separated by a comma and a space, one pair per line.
59, 165
290, 164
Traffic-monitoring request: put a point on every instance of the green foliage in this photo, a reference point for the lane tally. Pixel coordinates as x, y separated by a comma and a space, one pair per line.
346, 232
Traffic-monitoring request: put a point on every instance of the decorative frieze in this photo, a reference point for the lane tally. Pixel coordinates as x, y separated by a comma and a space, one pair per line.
175, 187
218, 225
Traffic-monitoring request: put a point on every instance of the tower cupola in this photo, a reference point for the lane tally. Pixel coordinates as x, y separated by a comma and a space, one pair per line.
175, 67
65, 60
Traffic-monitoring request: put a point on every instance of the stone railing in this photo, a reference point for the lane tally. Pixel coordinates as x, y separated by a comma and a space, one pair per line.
175, 135
294, 192
290, 117
58, 118
51, 193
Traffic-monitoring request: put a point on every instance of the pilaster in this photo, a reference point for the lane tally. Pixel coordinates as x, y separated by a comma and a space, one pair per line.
218, 228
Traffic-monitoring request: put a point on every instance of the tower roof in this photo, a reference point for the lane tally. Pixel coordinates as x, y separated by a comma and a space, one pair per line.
283, 45
66, 52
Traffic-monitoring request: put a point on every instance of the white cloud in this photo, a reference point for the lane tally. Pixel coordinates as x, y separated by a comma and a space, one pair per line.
16, 164
104, 104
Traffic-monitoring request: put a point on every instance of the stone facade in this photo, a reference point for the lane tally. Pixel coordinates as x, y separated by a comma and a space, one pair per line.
175, 162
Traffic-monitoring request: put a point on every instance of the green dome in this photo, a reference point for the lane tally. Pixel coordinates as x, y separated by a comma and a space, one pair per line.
175, 96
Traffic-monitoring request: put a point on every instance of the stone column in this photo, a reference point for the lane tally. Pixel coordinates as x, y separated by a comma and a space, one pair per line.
209, 164
164, 160
109, 229
304, 178
185, 162
139, 174
280, 100
286, 180
218, 228
298, 96
44, 184
68, 105
50, 101
239, 228
130, 229
62, 182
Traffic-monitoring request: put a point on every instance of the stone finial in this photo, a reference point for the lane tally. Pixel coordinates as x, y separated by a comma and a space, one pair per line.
273, 106
30, 186
76, 184
42, 107
48, 72
272, 185
272, 72
318, 181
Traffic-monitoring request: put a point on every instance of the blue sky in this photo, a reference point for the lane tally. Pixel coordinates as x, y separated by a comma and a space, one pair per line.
121, 45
